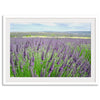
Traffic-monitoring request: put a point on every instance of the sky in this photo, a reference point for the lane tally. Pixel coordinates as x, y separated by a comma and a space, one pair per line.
41, 27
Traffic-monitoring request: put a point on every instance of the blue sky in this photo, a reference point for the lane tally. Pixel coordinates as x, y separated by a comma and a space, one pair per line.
39, 27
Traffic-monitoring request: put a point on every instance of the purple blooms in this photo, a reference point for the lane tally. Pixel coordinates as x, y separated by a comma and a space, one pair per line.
31, 63
32, 58
17, 48
61, 68
11, 59
52, 67
38, 46
42, 56
24, 53
15, 62
31, 68
26, 45
28, 56
21, 66
50, 57
14, 71
59, 61
48, 47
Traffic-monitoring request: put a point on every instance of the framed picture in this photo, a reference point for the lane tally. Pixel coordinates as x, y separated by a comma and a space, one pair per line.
49, 51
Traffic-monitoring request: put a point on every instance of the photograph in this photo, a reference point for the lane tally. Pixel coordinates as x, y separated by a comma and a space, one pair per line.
50, 49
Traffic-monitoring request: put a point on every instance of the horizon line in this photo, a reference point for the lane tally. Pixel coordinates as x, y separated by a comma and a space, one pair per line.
50, 31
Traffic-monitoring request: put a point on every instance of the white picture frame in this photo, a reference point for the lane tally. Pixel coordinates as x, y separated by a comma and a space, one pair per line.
7, 80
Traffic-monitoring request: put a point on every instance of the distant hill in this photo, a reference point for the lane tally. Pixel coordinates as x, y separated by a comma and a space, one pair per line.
53, 34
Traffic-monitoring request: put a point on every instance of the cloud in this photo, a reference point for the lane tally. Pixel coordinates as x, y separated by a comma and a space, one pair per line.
78, 24
49, 24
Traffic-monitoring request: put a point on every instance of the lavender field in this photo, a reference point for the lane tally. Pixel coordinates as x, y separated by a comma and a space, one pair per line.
50, 57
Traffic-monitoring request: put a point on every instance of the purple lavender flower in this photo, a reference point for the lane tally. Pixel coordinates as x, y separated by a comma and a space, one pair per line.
24, 53
78, 63
42, 56
49, 74
58, 61
62, 50
32, 58
12, 64
64, 55
61, 68
32, 71
11, 48
51, 55
38, 46
74, 59
11, 59
56, 47
52, 66
47, 48
28, 56
26, 45
31, 63
15, 62
14, 71
17, 58
41, 62
41, 72
21, 66
17, 48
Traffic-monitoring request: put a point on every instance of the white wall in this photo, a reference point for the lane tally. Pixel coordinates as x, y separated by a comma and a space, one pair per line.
48, 8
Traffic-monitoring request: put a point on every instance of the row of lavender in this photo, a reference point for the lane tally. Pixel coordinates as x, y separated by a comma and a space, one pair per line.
50, 57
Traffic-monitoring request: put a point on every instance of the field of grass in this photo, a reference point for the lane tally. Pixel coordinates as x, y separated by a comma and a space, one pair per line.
56, 37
